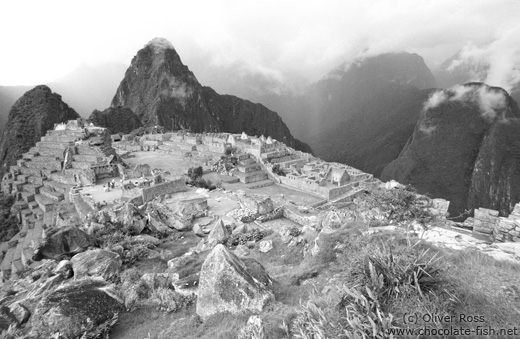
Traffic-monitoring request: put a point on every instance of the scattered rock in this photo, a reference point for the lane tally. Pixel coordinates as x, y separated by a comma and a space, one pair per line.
265, 246
219, 233
240, 229
20, 312
145, 239
7, 319
198, 230
226, 285
187, 286
96, 262
156, 280
75, 308
241, 251
64, 268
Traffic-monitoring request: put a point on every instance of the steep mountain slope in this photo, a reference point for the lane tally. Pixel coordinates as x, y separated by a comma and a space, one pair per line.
463, 149
116, 119
29, 119
8, 96
161, 90
362, 114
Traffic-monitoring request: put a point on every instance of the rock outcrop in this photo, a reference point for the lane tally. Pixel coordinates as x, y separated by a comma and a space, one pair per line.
96, 262
227, 285
116, 119
87, 305
65, 241
465, 148
162, 91
30, 118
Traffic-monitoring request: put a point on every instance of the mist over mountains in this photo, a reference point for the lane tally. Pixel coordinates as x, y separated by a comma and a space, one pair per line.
373, 112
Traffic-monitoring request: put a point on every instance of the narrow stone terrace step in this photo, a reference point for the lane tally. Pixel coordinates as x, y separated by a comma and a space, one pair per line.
33, 205
48, 158
81, 165
27, 196
56, 186
22, 178
31, 171
56, 196
36, 180
53, 165
45, 203
38, 214
49, 219
32, 188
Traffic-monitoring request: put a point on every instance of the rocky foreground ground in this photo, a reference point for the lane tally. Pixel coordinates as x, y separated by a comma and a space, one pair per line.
144, 272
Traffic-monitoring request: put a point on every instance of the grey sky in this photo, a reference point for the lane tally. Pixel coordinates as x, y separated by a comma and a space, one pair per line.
286, 41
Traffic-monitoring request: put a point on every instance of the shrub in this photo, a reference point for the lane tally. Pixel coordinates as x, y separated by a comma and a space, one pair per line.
168, 299
402, 205
195, 173
9, 224
278, 170
389, 275
364, 317
230, 150
242, 239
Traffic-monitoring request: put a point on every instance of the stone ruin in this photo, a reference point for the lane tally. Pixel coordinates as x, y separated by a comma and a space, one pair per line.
68, 157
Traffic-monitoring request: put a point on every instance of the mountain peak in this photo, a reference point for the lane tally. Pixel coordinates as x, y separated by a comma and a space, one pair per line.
162, 91
159, 45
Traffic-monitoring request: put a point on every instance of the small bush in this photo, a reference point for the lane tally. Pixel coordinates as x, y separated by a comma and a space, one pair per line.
390, 275
9, 224
195, 173
168, 299
242, 239
278, 170
364, 317
402, 205
11, 333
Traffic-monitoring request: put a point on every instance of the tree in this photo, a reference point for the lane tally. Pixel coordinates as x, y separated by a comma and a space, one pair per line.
195, 173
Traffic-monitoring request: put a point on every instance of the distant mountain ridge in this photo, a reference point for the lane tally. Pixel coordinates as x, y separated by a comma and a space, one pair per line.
161, 90
362, 113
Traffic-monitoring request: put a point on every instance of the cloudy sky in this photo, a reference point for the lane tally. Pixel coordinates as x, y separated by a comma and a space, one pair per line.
286, 41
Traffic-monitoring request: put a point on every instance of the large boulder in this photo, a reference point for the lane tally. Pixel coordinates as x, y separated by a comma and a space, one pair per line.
227, 285
61, 242
80, 306
161, 218
96, 262
131, 217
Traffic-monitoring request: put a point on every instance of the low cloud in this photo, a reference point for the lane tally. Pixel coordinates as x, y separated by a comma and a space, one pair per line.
491, 102
496, 63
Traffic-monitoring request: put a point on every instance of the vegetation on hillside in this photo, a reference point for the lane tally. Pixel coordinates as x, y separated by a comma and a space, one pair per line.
9, 225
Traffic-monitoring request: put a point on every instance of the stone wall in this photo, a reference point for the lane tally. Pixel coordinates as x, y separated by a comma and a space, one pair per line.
292, 213
149, 193
487, 222
305, 186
